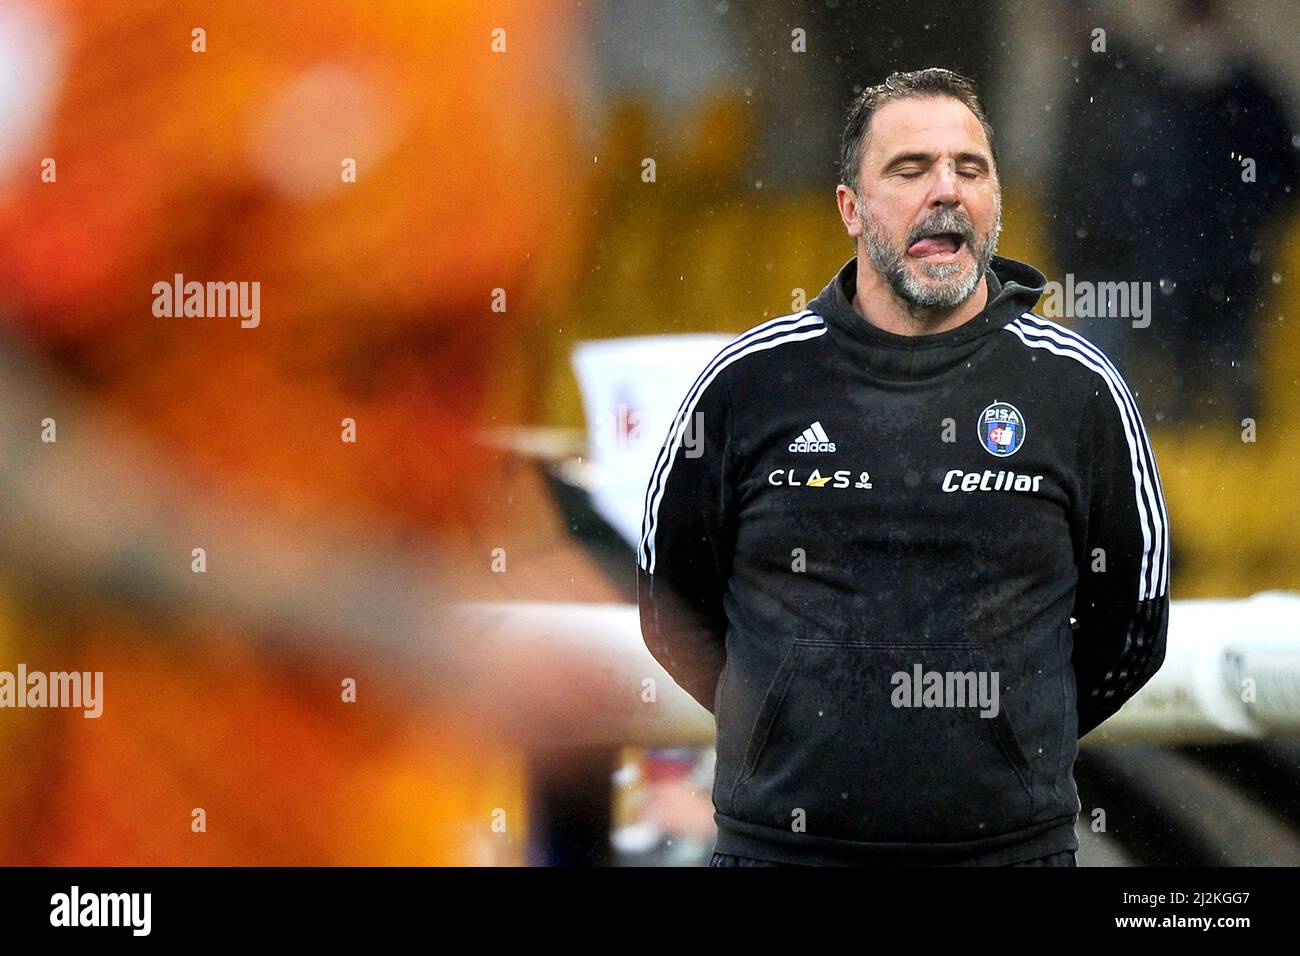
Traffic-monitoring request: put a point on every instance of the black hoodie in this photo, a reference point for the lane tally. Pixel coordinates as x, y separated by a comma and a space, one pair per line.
863, 552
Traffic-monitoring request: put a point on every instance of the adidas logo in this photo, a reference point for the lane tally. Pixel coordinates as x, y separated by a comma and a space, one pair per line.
814, 438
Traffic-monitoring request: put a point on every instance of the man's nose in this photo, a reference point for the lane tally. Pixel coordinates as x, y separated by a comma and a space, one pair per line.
945, 189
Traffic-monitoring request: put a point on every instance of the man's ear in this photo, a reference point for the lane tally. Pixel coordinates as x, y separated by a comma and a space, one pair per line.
847, 201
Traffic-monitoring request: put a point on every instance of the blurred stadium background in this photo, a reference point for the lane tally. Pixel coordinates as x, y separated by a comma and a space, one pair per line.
480, 170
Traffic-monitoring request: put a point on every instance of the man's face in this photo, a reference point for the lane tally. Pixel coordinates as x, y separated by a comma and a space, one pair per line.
929, 203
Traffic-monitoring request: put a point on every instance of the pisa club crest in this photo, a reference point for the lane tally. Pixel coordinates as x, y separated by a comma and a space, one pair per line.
1002, 429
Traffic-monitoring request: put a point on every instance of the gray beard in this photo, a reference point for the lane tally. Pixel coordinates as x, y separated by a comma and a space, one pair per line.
953, 286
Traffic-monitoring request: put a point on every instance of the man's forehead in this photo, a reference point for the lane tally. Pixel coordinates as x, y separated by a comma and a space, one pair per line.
934, 123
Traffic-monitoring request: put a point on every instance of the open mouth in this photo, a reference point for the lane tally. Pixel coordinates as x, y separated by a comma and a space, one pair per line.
938, 247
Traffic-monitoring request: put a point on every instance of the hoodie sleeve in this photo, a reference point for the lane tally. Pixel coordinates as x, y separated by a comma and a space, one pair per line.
686, 538
1122, 601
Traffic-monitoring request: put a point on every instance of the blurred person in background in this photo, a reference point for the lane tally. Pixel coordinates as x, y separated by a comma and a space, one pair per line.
347, 161
1176, 171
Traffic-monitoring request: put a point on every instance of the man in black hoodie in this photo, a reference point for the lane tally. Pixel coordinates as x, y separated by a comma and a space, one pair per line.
908, 544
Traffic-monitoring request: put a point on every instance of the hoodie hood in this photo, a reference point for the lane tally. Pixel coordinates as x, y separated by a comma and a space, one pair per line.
1014, 288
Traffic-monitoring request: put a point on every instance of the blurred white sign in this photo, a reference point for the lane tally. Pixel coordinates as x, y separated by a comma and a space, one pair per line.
631, 391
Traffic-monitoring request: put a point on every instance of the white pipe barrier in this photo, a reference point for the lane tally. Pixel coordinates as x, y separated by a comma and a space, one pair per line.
1231, 672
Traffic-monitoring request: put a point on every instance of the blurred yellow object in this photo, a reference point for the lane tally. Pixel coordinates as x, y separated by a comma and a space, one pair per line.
235, 164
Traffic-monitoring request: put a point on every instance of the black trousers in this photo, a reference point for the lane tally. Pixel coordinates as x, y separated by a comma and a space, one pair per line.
1064, 858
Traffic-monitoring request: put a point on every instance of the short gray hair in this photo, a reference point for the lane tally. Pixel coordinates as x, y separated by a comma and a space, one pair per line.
934, 81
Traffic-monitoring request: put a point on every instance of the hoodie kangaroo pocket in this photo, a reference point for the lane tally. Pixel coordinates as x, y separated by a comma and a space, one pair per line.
885, 743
